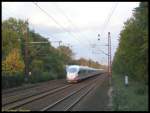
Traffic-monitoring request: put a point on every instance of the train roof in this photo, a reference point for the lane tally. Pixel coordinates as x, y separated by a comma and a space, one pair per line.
82, 67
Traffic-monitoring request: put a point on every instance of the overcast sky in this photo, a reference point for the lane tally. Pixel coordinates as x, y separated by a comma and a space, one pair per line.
75, 23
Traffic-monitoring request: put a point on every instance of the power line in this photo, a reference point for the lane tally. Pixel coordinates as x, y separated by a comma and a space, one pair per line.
21, 15
54, 20
103, 29
108, 18
68, 19
50, 16
71, 23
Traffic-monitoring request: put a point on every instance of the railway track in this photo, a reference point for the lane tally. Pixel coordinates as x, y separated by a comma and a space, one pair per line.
63, 104
8, 92
54, 98
31, 98
20, 94
79, 98
30, 93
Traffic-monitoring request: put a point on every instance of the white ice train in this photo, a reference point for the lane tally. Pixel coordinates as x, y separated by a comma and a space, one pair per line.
76, 73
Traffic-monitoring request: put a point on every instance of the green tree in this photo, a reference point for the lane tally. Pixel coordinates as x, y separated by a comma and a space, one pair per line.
66, 54
132, 54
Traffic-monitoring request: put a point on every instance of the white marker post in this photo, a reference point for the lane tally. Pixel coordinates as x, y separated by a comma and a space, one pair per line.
126, 80
30, 73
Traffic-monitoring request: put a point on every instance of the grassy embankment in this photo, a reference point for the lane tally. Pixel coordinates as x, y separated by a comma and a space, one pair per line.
134, 97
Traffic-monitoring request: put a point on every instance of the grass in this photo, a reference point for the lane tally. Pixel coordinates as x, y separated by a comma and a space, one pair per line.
133, 97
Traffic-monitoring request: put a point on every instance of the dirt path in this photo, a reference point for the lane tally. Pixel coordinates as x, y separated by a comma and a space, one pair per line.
97, 100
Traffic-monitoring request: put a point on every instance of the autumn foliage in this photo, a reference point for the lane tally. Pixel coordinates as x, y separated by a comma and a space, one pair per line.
13, 62
45, 62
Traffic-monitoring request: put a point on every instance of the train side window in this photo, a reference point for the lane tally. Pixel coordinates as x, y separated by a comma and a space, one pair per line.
82, 71
86, 71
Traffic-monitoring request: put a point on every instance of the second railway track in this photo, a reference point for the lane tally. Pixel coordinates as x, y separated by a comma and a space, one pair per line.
70, 100
29, 93
6, 92
54, 99
31, 98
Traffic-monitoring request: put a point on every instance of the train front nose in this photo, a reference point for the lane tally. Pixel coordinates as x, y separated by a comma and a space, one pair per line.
71, 76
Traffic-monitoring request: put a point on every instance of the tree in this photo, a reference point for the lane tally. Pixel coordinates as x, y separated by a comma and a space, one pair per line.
132, 54
12, 36
13, 62
66, 54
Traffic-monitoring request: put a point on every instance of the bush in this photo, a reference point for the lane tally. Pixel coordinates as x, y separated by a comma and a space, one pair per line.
42, 76
9, 81
141, 90
131, 98
35, 77
46, 76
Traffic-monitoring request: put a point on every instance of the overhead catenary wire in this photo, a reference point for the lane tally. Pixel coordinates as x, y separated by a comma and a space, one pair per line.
70, 22
51, 17
61, 27
108, 18
10, 12
68, 19
106, 23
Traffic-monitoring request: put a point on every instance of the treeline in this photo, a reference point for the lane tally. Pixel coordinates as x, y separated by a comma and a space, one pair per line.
45, 62
90, 63
131, 57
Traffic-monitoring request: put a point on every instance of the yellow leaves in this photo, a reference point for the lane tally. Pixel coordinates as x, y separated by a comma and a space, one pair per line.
13, 63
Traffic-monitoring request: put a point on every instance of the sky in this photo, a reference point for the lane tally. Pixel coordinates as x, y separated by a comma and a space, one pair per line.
76, 24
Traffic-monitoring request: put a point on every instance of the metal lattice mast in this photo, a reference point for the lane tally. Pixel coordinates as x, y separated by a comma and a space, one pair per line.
109, 57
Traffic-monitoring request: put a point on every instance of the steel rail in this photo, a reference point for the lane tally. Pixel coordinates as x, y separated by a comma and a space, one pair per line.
25, 87
81, 97
53, 104
64, 98
30, 99
25, 97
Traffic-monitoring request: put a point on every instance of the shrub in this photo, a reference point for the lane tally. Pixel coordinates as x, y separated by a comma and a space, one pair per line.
9, 81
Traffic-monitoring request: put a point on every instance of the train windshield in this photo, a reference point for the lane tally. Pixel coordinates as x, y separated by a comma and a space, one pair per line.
72, 70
